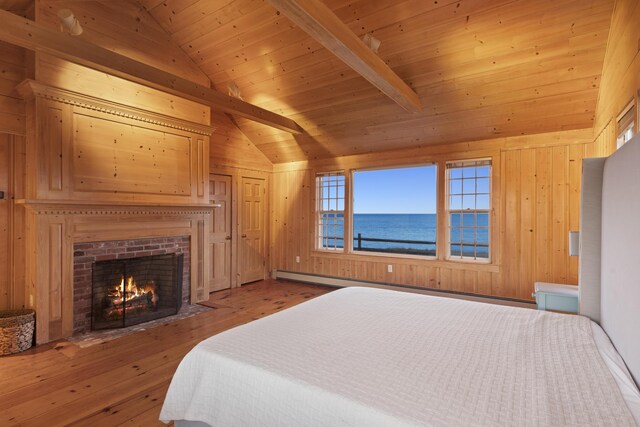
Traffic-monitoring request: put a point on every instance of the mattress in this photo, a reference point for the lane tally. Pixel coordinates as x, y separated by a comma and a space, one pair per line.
360, 356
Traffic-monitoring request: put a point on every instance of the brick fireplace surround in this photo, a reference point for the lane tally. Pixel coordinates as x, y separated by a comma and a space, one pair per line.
85, 254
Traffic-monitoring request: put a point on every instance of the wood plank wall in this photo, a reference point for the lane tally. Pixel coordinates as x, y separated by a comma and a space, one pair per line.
124, 27
620, 81
536, 203
230, 148
12, 72
6, 209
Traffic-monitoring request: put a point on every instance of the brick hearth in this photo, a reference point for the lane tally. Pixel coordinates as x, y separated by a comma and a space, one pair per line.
85, 254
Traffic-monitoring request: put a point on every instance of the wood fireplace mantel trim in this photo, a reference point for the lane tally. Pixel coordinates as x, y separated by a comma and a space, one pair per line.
62, 207
29, 89
54, 227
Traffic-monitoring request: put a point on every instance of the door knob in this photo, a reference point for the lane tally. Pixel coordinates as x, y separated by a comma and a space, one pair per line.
244, 235
227, 238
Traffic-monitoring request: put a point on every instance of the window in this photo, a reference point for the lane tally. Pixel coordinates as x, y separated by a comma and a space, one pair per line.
468, 206
330, 189
625, 125
394, 210
398, 211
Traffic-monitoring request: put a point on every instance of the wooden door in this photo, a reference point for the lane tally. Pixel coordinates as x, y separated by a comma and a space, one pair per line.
220, 233
252, 257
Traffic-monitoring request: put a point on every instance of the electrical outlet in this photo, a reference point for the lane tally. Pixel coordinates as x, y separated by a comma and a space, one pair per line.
389, 268
298, 259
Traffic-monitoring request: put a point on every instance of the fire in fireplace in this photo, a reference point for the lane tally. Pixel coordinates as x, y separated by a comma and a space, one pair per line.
127, 292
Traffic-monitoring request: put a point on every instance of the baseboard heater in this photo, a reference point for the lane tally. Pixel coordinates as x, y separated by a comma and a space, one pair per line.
338, 282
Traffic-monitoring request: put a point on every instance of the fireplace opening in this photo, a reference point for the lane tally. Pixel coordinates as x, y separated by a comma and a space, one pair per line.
126, 292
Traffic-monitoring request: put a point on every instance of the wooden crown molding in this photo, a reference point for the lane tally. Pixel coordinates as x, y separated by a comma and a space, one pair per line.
30, 89
63, 207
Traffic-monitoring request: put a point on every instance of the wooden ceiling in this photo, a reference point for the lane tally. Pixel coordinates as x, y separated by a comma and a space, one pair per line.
481, 68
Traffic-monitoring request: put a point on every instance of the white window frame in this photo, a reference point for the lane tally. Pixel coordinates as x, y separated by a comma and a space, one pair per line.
352, 245
625, 124
448, 211
320, 211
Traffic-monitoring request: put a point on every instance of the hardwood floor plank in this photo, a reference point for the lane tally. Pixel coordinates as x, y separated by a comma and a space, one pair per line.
124, 381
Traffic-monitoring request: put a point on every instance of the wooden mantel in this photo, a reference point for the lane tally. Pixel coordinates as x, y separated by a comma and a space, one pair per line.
55, 226
95, 171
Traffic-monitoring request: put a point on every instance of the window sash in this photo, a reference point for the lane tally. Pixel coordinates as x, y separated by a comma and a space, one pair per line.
330, 195
468, 190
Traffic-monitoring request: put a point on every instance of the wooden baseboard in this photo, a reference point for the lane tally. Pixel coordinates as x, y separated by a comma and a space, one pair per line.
343, 283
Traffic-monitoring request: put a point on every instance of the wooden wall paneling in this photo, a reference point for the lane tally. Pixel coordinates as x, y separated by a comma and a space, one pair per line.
543, 214
620, 79
19, 294
560, 214
112, 157
12, 107
511, 222
484, 283
576, 154
6, 160
535, 198
89, 149
200, 262
527, 229
231, 148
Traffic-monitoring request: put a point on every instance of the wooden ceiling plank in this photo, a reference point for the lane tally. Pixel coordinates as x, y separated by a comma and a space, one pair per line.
30, 35
323, 25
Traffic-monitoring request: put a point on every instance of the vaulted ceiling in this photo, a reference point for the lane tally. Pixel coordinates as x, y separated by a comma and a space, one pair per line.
482, 68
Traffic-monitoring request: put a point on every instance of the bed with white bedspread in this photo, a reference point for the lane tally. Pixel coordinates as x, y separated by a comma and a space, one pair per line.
364, 357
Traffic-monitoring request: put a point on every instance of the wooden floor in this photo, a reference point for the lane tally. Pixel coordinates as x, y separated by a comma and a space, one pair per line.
124, 381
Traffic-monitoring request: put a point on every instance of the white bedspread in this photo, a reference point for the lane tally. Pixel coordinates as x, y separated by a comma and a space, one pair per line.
364, 357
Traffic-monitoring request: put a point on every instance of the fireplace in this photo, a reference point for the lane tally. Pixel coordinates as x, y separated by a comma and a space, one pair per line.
130, 291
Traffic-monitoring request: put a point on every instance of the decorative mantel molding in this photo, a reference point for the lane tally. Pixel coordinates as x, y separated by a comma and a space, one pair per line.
29, 89
96, 170
62, 207
57, 225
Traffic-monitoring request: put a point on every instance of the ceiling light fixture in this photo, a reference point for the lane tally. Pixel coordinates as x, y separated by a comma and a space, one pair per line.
234, 90
372, 42
69, 22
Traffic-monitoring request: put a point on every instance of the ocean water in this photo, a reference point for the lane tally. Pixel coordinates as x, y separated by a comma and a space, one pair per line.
469, 233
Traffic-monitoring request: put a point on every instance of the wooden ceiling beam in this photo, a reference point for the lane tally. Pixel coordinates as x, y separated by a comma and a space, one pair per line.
317, 20
30, 35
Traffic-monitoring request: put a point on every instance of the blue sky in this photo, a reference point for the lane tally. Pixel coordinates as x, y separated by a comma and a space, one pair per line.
405, 190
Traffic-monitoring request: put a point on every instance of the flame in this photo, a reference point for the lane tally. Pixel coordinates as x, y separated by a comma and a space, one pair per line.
131, 290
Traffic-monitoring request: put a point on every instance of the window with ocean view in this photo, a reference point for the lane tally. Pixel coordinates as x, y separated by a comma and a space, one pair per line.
468, 208
394, 210
330, 208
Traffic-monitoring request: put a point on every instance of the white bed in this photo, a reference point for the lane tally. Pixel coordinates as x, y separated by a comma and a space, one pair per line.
363, 357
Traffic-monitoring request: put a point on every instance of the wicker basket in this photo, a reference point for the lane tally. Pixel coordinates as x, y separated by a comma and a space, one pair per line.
16, 330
